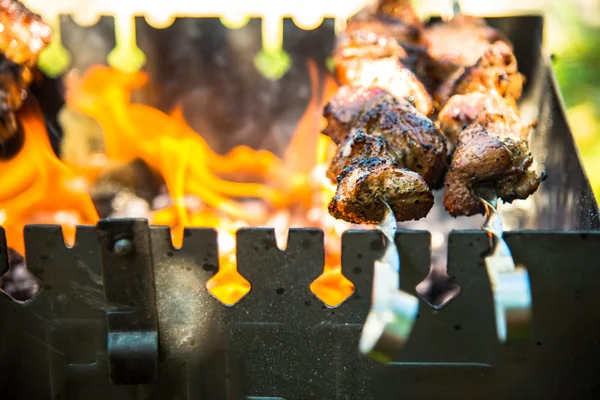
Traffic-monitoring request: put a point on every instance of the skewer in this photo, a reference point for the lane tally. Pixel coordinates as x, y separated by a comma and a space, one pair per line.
438, 288
455, 8
455, 11
393, 312
510, 284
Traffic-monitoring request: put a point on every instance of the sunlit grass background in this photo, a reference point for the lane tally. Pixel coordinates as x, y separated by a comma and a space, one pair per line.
578, 70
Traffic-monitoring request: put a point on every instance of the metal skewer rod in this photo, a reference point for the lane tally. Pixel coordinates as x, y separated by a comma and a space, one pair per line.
438, 288
510, 284
393, 312
455, 8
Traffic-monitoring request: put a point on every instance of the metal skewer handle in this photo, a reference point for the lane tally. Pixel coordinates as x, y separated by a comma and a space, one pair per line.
393, 312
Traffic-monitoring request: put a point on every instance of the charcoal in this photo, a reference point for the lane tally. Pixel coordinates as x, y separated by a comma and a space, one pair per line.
127, 205
18, 282
49, 93
135, 179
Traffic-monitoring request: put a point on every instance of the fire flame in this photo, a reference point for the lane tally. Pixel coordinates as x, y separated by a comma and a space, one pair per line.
292, 191
38, 188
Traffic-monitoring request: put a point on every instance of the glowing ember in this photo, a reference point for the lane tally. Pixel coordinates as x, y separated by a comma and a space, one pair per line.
280, 193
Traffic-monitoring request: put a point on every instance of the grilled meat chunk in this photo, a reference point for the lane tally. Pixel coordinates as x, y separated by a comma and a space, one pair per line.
24, 34
358, 146
495, 70
487, 109
347, 106
402, 10
413, 139
417, 144
519, 186
368, 39
458, 43
479, 115
484, 158
381, 30
388, 18
22, 38
384, 46
362, 186
387, 73
389, 150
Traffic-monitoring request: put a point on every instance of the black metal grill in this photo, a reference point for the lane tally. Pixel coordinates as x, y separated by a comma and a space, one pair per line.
142, 325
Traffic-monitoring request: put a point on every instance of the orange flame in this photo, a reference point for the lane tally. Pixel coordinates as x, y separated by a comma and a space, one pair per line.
295, 187
36, 187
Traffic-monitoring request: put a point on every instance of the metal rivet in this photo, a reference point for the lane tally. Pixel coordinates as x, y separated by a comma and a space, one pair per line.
123, 247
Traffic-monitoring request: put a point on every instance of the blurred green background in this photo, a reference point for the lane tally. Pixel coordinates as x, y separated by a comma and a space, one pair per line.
574, 38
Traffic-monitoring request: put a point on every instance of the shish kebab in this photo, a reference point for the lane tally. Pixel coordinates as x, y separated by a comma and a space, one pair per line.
22, 38
484, 101
389, 154
389, 149
476, 93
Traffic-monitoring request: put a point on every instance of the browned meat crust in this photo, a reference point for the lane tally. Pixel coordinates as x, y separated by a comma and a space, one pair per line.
388, 18
401, 10
495, 70
358, 146
387, 73
389, 150
413, 140
24, 34
346, 108
479, 115
22, 38
484, 158
489, 109
384, 46
363, 185
458, 43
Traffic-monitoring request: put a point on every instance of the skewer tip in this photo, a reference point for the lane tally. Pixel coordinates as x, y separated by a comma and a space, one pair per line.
455, 8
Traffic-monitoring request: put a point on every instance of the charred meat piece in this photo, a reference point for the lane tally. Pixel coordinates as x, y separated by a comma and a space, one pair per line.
363, 185
519, 186
379, 36
382, 31
495, 70
388, 150
483, 158
388, 18
24, 34
22, 38
11, 86
488, 109
367, 39
401, 10
458, 43
346, 108
383, 46
358, 146
480, 117
387, 73
413, 140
